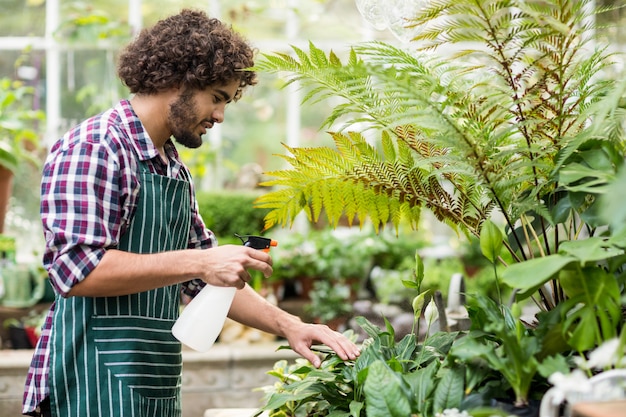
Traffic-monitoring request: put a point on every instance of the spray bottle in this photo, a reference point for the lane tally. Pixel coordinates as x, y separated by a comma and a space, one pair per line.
210, 307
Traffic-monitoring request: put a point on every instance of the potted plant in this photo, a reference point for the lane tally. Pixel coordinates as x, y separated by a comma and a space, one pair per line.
513, 139
473, 371
295, 265
381, 382
372, 385
19, 140
329, 303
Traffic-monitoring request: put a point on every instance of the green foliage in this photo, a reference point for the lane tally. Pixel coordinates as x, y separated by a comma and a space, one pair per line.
389, 378
514, 138
228, 212
19, 139
87, 25
329, 300
593, 307
501, 339
336, 254
388, 283
524, 124
403, 377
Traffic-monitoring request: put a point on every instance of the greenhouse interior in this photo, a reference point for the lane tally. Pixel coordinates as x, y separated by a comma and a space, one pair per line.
438, 183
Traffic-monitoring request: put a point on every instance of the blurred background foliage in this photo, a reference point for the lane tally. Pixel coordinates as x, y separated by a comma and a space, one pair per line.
90, 33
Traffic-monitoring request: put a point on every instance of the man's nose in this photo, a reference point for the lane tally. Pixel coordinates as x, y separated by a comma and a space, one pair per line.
218, 113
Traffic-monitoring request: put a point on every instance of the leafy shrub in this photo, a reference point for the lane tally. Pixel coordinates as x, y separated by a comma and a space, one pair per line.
230, 212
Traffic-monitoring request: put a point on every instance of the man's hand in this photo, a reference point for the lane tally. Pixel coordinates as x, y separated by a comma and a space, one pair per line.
250, 309
228, 265
303, 337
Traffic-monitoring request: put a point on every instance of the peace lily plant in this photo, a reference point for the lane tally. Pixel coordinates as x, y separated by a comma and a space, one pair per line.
515, 137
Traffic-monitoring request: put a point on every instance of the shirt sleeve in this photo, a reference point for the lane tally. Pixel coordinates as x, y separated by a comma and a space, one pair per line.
85, 188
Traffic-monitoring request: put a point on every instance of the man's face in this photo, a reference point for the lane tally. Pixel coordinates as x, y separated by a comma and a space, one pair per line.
195, 111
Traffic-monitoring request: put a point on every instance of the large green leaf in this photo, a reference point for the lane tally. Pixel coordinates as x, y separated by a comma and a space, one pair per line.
491, 240
305, 390
589, 250
531, 274
422, 383
449, 391
384, 393
595, 307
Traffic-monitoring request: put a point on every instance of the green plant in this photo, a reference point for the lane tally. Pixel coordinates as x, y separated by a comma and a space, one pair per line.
329, 301
388, 283
400, 378
344, 254
500, 339
295, 257
513, 140
19, 139
389, 378
229, 212
525, 125
327, 254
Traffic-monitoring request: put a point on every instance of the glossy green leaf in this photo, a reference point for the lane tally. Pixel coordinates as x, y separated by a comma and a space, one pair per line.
384, 394
449, 391
589, 250
534, 272
491, 240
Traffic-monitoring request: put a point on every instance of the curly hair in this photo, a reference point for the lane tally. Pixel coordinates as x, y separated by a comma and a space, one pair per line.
188, 50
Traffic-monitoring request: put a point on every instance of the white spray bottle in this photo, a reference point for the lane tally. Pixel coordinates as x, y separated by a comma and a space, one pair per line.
202, 320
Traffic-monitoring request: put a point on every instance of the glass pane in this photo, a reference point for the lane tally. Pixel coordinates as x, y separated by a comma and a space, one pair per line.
23, 18
7, 63
89, 83
89, 24
337, 21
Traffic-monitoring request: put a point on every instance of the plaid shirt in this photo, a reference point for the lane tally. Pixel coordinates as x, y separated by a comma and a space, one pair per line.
88, 196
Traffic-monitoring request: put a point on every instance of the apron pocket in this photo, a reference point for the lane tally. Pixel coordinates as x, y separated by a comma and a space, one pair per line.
136, 356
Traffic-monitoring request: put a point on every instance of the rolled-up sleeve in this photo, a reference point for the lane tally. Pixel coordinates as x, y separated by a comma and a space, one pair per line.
85, 199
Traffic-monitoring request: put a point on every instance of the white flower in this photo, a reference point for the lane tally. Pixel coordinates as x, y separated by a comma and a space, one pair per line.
452, 412
566, 386
604, 356
430, 312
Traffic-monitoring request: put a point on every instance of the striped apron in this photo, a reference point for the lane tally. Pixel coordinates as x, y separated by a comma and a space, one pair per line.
116, 356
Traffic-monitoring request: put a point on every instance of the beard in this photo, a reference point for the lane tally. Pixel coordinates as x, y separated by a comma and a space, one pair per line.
182, 115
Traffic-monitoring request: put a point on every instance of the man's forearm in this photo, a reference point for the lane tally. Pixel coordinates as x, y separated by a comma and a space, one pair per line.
122, 273
251, 309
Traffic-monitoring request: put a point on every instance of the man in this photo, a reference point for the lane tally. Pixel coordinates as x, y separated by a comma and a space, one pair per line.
123, 234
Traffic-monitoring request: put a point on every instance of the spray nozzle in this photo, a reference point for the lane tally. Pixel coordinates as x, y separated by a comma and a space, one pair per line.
257, 242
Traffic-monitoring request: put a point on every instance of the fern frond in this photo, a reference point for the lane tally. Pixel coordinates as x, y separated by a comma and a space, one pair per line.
487, 128
354, 179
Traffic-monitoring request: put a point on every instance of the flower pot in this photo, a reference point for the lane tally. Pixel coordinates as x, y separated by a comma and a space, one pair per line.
6, 188
506, 405
304, 285
19, 338
337, 324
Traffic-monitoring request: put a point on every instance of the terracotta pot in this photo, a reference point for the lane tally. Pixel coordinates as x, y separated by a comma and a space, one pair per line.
6, 188
304, 285
337, 324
